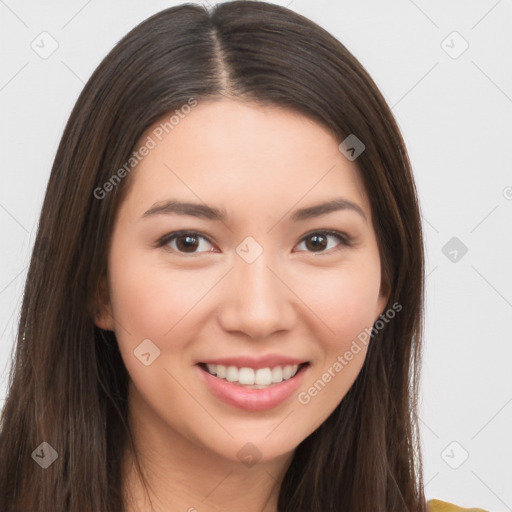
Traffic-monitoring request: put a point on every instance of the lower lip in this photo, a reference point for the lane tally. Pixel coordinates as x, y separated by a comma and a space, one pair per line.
253, 399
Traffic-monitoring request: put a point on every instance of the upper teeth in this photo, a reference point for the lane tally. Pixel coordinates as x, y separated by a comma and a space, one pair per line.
250, 376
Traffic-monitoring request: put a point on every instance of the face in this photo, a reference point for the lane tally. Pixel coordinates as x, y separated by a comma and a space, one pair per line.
257, 279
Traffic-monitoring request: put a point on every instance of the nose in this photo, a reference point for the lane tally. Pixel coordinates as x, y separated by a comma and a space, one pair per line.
256, 300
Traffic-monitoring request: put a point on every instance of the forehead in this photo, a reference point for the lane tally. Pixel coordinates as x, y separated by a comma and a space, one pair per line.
238, 154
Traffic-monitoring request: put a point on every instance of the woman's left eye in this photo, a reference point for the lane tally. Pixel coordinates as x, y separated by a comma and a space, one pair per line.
189, 242
319, 240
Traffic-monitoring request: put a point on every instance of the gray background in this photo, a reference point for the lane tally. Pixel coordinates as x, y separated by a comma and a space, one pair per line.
454, 109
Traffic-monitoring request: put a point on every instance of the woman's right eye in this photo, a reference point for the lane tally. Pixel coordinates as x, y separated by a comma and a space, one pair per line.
185, 242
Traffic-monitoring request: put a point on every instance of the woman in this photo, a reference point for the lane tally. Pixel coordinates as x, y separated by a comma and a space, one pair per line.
224, 306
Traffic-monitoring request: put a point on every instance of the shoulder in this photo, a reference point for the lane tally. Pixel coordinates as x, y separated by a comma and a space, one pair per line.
444, 506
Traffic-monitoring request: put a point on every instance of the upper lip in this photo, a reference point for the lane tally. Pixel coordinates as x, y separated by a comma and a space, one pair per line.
268, 361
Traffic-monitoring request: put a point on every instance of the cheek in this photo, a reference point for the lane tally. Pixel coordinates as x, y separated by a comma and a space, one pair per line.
345, 301
149, 300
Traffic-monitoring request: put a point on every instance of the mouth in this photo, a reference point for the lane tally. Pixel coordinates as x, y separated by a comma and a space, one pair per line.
252, 378
253, 389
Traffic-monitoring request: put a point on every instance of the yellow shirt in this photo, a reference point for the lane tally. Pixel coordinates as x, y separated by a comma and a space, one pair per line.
444, 506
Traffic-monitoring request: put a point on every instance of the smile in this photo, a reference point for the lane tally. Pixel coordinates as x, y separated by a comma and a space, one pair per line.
252, 389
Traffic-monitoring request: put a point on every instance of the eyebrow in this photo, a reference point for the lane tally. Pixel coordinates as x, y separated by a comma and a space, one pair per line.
211, 213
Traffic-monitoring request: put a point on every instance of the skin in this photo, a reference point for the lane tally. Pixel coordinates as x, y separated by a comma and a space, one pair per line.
260, 164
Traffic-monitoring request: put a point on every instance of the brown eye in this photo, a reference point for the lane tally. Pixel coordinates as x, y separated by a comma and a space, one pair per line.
318, 242
187, 242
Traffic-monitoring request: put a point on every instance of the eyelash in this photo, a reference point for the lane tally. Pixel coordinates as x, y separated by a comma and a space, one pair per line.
165, 240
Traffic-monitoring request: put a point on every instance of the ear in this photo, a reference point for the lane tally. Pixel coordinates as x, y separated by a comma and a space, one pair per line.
103, 317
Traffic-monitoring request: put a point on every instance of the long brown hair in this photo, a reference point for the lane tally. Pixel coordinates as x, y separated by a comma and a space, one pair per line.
68, 385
